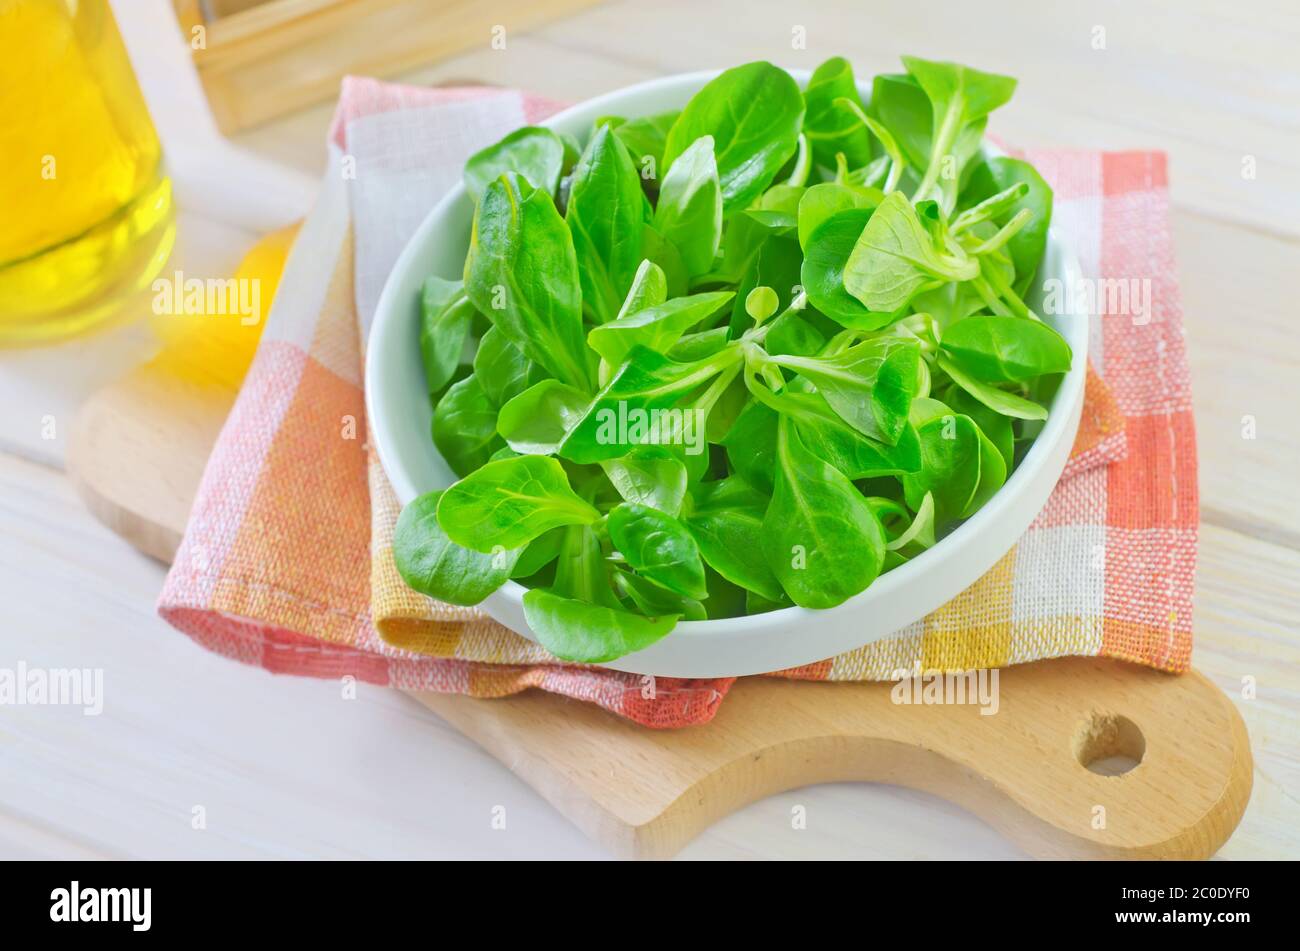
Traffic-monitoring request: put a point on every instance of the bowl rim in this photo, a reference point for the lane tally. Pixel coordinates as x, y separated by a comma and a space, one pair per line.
998, 506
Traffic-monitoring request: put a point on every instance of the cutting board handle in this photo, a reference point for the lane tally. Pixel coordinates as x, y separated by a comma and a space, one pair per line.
1020, 766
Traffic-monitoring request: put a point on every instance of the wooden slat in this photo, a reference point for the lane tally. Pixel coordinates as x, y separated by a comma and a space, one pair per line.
1240, 312
225, 8
284, 54
278, 25
189, 14
1247, 613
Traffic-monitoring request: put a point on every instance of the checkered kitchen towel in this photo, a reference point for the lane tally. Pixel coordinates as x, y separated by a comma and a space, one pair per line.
287, 560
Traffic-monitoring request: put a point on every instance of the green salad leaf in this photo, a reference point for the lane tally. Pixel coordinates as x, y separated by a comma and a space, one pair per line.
586, 633
754, 114
605, 212
433, 564
689, 210
533, 153
510, 502
445, 316
522, 274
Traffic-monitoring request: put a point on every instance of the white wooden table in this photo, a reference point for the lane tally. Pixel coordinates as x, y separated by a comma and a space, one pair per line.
283, 767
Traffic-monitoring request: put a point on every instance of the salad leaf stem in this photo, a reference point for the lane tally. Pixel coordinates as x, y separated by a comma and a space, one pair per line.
1005, 234
990, 297
802, 164
940, 150
989, 208
1005, 291
897, 162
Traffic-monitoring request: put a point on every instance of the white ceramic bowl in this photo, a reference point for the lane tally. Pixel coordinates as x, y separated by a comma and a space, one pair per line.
400, 418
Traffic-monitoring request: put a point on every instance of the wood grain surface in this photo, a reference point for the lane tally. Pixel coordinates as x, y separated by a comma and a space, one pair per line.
1019, 759
1214, 85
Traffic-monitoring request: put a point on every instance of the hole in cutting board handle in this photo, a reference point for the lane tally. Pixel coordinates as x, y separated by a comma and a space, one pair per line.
1109, 744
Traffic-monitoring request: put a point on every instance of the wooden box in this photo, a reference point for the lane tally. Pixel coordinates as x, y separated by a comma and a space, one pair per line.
259, 59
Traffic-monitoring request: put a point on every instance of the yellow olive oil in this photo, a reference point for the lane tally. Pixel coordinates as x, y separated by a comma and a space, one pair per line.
86, 213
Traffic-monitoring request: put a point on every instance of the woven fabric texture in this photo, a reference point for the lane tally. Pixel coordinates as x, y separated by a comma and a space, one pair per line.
287, 561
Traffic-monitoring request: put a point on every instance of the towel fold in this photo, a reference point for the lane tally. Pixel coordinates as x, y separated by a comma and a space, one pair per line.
287, 561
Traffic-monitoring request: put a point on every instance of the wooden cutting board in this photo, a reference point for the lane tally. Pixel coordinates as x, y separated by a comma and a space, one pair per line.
137, 452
